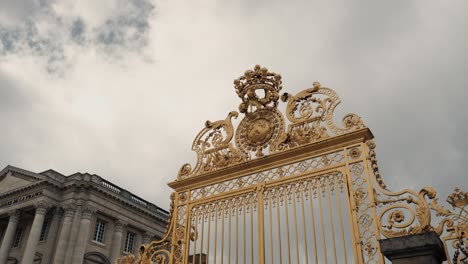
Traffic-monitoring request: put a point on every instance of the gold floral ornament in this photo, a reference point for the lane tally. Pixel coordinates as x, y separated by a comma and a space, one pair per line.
311, 114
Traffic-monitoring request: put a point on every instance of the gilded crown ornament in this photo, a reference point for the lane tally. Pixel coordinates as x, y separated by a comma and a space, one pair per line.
258, 79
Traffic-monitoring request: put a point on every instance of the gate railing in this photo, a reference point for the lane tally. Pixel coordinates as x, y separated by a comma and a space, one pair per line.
306, 191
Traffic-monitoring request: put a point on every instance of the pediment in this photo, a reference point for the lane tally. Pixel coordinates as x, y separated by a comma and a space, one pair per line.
12, 178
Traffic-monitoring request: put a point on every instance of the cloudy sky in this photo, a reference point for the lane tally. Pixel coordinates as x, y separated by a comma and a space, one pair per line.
121, 87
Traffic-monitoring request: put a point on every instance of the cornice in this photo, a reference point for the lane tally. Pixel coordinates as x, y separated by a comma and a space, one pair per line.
123, 200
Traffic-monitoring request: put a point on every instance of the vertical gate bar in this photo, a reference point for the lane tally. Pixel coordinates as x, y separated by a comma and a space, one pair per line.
251, 230
370, 190
209, 230
245, 242
216, 232
330, 214
222, 234
271, 227
279, 224
295, 224
321, 221
229, 224
175, 222
338, 203
260, 225
195, 216
358, 254
304, 225
287, 226
187, 231
202, 233
313, 220
237, 231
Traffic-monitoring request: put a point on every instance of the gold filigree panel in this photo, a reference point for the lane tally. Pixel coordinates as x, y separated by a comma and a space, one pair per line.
287, 171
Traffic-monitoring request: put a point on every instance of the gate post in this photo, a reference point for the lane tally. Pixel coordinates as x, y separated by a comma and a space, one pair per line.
414, 249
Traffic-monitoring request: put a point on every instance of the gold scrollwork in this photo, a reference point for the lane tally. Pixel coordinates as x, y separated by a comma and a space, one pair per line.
311, 114
421, 210
213, 148
408, 212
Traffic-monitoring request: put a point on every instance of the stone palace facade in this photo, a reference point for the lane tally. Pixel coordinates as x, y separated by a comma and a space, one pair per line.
51, 218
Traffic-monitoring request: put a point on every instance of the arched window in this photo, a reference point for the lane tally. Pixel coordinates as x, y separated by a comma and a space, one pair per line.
95, 258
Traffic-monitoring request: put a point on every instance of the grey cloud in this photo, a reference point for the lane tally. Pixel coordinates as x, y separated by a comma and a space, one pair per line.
125, 31
77, 30
399, 65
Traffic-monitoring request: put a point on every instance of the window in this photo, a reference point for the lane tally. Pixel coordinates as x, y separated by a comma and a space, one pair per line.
18, 236
99, 231
129, 242
44, 230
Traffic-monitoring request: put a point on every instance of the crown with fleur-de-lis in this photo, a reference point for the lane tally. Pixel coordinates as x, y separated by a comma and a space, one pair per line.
458, 198
258, 79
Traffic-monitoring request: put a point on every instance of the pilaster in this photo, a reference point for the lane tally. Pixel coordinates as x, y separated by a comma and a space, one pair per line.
147, 238
73, 234
62, 243
85, 224
117, 240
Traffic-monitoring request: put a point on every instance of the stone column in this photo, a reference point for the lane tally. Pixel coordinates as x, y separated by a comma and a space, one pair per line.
117, 240
422, 248
33, 238
9, 235
52, 235
62, 242
73, 235
83, 235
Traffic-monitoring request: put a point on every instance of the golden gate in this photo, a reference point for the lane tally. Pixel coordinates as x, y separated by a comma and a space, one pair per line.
291, 188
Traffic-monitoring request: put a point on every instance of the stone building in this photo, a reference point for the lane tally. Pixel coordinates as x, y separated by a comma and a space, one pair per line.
51, 218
